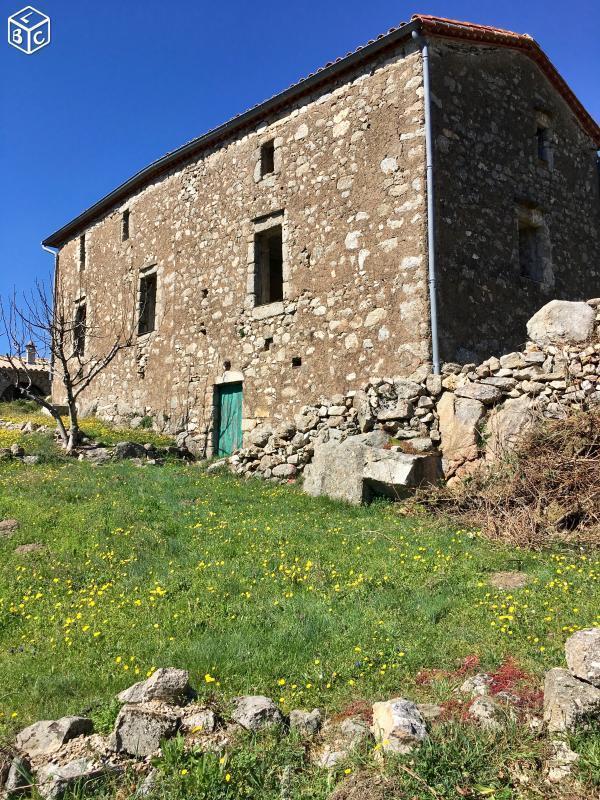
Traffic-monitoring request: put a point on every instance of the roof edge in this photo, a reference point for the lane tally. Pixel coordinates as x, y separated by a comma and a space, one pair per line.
423, 23
246, 119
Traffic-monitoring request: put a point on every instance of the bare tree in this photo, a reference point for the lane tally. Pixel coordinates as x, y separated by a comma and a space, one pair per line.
79, 351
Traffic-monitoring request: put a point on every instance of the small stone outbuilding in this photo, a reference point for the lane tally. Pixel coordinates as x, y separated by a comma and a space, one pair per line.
284, 255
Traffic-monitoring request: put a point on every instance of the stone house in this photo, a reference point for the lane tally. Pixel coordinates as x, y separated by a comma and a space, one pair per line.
32, 372
411, 203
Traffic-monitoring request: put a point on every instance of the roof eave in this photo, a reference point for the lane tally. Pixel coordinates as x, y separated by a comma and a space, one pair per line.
212, 137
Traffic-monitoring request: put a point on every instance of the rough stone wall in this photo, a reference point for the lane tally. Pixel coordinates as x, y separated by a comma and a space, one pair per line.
487, 105
41, 381
348, 188
469, 414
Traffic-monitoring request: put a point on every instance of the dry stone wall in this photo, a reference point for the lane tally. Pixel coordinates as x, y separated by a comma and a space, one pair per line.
468, 414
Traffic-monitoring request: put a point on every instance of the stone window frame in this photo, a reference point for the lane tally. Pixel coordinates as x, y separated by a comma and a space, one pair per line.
144, 272
82, 245
531, 216
544, 138
268, 179
260, 224
78, 304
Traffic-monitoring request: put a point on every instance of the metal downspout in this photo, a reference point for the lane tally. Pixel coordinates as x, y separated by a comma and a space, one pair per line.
432, 275
53, 252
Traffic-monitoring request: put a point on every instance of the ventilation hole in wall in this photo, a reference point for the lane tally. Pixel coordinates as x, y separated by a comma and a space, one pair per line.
203, 331
227, 366
268, 343
296, 361
204, 292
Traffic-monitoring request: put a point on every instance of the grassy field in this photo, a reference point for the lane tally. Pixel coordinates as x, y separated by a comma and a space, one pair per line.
256, 588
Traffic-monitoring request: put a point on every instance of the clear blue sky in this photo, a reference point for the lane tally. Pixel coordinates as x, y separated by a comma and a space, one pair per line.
123, 83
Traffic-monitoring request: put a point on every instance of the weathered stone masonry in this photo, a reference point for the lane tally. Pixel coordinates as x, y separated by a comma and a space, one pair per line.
348, 192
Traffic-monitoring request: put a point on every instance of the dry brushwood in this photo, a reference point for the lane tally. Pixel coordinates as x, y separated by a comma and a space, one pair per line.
547, 488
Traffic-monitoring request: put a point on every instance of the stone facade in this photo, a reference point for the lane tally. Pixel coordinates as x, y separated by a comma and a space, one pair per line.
489, 104
347, 190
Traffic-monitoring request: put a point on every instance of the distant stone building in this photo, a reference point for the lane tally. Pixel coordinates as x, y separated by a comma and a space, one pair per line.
284, 255
32, 372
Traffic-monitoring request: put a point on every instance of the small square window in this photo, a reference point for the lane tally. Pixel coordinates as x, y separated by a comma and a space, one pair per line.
296, 361
147, 309
268, 266
267, 158
125, 226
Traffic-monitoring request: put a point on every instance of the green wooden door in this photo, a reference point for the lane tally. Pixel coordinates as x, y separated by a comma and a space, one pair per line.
229, 418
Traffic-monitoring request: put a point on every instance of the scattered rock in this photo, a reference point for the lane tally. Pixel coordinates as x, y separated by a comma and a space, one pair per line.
31, 547
509, 580
19, 780
561, 321
582, 650
254, 712
261, 435
215, 466
123, 450
31, 460
398, 725
148, 785
560, 761
569, 703
477, 685
17, 451
339, 739
489, 713
96, 455
306, 723
430, 711
167, 684
140, 729
48, 736
8, 526
55, 780
198, 720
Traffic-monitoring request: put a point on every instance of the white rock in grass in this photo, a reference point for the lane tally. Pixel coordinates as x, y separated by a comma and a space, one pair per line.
48, 736
398, 725
167, 684
254, 712
582, 650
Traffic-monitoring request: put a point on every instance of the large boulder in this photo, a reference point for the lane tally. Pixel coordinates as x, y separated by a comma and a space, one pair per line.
506, 424
167, 684
582, 650
459, 422
140, 729
336, 470
254, 712
562, 322
123, 450
48, 736
398, 725
393, 474
360, 467
568, 702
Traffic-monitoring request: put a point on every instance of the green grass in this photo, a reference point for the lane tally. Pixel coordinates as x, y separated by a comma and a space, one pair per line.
257, 588
21, 411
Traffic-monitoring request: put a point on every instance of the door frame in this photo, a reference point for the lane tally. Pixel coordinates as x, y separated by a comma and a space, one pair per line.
217, 392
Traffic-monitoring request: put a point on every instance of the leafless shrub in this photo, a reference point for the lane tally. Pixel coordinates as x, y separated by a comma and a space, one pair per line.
548, 488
